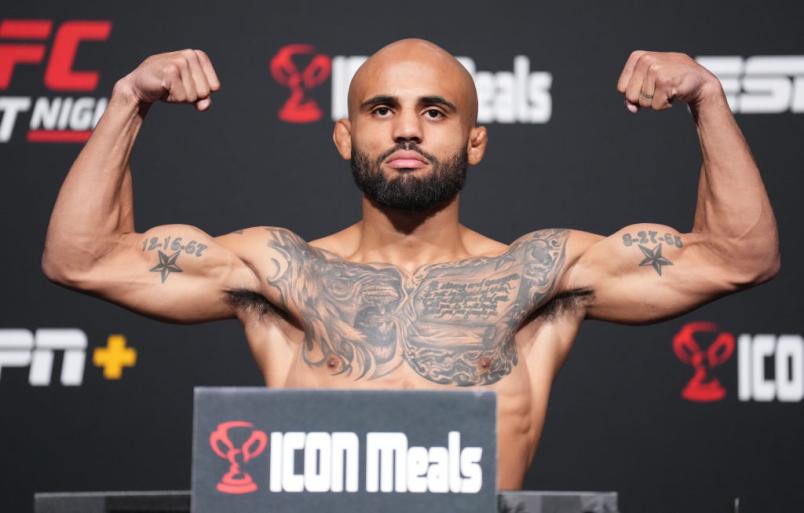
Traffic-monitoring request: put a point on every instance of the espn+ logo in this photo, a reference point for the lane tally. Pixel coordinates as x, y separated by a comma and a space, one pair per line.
330, 462
761, 84
22, 348
39, 351
39, 43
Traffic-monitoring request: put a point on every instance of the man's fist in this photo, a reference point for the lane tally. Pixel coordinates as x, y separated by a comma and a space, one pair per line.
655, 79
186, 76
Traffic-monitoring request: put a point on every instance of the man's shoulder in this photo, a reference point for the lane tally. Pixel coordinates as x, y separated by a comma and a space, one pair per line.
270, 241
248, 241
571, 242
544, 238
254, 233
342, 242
548, 256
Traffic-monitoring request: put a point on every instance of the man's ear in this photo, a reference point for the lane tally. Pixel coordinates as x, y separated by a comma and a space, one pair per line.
476, 148
342, 137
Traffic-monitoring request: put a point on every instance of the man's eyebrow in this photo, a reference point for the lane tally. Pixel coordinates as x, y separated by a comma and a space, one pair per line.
437, 100
379, 100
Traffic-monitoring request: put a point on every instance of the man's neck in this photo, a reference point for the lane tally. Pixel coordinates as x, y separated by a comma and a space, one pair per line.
410, 239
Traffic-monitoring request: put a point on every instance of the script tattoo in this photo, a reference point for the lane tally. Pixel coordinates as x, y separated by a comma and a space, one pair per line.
467, 299
452, 323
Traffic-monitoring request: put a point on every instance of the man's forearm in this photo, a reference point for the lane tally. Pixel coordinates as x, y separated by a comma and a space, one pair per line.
95, 203
733, 206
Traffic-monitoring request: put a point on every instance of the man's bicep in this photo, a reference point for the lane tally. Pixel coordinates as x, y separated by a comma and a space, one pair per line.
647, 272
172, 272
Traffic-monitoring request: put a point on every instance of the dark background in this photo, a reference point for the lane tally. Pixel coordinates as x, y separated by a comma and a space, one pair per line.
616, 420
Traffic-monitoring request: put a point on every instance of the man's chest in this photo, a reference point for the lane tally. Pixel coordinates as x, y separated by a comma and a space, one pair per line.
452, 323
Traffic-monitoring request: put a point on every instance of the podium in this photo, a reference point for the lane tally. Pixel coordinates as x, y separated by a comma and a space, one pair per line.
257, 450
179, 502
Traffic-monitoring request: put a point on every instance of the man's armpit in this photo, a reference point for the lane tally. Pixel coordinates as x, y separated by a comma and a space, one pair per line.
250, 301
568, 302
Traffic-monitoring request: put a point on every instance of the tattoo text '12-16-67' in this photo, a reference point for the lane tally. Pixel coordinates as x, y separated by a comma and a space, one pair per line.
167, 262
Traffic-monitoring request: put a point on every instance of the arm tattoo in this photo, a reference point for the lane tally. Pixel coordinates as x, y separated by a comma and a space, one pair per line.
167, 261
166, 265
452, 323
652, 256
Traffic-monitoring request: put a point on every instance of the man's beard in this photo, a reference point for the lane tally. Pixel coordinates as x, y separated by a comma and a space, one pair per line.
408, 192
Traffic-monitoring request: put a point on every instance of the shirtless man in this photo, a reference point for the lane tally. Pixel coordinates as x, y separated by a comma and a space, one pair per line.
407, 297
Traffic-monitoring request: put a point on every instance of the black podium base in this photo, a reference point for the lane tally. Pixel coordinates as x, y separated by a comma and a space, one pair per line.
179, 502
557, 502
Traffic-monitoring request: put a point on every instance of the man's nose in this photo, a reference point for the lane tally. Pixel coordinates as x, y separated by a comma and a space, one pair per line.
407, 127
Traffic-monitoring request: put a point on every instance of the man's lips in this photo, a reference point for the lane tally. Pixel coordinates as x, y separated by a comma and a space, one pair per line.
406, 159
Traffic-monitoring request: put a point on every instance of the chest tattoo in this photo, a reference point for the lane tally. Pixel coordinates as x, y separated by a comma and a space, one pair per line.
452, 323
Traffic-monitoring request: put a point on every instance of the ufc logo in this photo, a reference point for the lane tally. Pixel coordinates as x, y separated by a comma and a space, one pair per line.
760, 84
21, 348
59, 73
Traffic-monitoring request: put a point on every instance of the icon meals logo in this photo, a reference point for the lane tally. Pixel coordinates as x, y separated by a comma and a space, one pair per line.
769, 367
330, 462
299, 108
701, 387
235, 480
517, 95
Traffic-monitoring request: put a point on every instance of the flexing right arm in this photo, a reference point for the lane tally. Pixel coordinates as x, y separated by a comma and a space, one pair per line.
172, 272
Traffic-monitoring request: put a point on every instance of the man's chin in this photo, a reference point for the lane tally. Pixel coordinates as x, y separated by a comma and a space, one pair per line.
408, 210
410, 205
396, 171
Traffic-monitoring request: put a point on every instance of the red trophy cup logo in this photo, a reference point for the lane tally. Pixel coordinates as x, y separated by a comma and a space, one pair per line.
236, 481
298, 108
700, 388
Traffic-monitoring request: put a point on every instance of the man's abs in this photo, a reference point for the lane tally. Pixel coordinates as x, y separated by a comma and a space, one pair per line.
323, 321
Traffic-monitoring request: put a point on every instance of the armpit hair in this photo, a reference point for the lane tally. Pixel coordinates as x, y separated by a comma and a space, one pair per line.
567, 302
248, 300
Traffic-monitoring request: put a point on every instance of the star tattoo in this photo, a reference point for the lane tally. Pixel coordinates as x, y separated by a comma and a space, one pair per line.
654, 258
167, 265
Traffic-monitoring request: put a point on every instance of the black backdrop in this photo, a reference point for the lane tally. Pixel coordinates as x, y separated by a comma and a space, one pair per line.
617, 419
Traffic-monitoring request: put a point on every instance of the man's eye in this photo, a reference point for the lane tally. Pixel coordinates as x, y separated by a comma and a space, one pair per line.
382, 111
434, 113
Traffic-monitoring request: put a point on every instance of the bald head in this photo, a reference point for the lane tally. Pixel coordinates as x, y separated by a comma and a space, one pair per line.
412, 125
412, 59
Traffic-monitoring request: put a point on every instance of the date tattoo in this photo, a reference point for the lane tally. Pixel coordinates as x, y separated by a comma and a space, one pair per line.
652, 256
175, 244
167, 262
452, 323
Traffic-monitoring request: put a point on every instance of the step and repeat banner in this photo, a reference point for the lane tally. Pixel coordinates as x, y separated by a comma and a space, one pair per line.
689, 414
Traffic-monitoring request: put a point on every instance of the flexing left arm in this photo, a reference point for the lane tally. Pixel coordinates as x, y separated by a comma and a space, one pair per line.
649, 272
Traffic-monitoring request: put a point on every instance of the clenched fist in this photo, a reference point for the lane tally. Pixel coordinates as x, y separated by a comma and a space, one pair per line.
654, 79
186, 76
